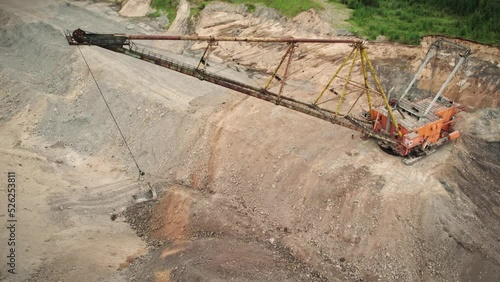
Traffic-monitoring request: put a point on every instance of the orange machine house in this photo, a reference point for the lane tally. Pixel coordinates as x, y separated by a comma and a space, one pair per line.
425, 124
417, 132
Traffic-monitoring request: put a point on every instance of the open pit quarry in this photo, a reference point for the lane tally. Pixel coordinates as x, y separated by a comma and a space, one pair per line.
245, 190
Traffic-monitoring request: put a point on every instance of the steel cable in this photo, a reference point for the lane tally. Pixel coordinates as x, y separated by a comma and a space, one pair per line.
141, 173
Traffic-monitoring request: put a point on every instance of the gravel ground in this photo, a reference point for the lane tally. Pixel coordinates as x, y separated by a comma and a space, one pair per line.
248, 191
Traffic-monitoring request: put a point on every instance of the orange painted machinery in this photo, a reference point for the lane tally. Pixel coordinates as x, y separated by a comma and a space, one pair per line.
417, 134
425, 124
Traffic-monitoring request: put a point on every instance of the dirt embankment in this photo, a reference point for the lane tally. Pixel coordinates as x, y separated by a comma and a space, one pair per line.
66, 189
339, 206
475, 86
135, 8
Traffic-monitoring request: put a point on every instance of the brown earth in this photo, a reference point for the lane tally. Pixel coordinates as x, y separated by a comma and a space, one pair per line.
248, 191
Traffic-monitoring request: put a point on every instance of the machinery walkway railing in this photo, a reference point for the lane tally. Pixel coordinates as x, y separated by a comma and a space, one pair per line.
260, 93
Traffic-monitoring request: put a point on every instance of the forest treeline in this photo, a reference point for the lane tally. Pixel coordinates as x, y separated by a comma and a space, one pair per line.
476, 20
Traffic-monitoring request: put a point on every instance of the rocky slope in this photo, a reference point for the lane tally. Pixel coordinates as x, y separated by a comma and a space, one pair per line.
248, 191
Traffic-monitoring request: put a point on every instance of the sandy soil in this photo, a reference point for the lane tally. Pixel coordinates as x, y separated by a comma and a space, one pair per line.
248, 191
313, 67
135, 8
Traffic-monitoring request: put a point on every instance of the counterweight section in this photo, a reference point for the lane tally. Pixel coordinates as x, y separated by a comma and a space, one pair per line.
108, 41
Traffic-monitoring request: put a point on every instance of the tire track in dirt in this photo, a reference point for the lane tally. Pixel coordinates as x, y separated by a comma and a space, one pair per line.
101, 199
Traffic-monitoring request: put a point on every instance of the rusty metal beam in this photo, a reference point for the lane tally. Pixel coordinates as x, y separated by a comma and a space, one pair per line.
287, 67
279, 66
263, 94
118, 42
241, 39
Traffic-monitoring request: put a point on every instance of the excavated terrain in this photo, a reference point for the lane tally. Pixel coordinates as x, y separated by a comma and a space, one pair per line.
247, 191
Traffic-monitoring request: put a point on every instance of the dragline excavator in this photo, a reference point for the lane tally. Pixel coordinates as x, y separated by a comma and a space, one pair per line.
406, 127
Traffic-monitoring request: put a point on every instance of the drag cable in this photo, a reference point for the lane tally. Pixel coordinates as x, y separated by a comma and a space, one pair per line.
141, 173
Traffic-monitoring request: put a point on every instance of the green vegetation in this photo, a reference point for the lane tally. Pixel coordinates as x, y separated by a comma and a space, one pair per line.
407, 20
250, 7
154, 14
289, 8
403, 21
196, 7
165, 6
